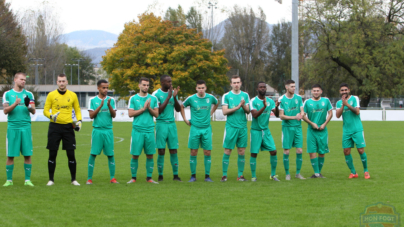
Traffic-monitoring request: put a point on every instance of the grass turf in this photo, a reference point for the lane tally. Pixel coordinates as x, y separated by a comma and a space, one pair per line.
334, 201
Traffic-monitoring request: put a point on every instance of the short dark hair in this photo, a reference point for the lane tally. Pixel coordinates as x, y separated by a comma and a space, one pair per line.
344, 85
289, 82
199, 82
163, 77
261, 82
143, 79
62, 75
316, 85
235, 77
19, 73
101, 82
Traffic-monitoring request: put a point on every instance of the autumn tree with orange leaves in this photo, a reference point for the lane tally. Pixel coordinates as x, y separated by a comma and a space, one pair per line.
153, 47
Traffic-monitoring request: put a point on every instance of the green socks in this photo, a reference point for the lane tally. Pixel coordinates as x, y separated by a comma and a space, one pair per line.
274, 162
253, 165
349, 162
240, 164
149, 167
192, 163
9, 169
286, 163
314, 164
160, 164
225, 164
299, 161
174, 164
320, 163
207, 162
134, 163
111, 166
91, 162
27, 168
364, 161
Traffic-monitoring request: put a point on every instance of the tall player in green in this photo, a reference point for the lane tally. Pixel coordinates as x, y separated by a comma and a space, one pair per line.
18, 104
143, 107
166, 129
291, 113
319, 112
260, 135
352, 129
200, 133
235, 105
102, 109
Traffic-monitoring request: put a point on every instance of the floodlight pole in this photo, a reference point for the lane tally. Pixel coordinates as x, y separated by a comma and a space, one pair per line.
36, 68
295, 43
78, 68
212, 5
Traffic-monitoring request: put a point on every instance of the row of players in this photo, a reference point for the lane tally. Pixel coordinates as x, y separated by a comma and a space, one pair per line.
317, 112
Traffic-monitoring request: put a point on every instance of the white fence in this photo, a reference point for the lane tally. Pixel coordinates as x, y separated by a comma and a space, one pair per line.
122, 115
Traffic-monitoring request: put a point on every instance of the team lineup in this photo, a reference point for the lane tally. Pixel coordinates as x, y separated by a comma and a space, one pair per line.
147, 136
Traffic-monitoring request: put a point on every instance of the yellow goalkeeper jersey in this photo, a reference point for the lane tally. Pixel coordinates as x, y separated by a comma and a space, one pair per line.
65, 104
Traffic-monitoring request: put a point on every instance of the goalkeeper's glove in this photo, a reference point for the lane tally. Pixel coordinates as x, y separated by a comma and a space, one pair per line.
27, 101
54, 116
78, 126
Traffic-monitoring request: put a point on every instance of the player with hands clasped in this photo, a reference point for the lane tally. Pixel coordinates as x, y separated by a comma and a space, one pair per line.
202, 105
352, 129
235, 105
260, 135
18, 103
318, 112
166, 129
63, 104
143, 107
102, 109
291, 113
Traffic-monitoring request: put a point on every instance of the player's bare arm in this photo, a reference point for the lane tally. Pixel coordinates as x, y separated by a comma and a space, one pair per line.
227, 111
329, 116
154, 112
339, 111
276, 110
258, 113
212, 111
111, 110
354, 110
8, 108
282, 116
93, 113
163, 106
134, 113
177, 105
184, 117
246, 107
314, 125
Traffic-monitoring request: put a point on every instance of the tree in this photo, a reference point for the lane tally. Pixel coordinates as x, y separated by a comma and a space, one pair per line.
13, 48
245, 39
194, 19
153, 47
177, 16
87, 73
359, 42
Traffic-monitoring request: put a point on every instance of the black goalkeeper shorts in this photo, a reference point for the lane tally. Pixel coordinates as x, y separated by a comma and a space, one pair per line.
64, 132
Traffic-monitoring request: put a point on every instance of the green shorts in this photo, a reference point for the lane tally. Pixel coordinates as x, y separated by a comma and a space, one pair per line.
235, 136
200, 137
142, 140
292, 137
317, 141
166, 133
261, 139
350, 139
102, 140
19, 140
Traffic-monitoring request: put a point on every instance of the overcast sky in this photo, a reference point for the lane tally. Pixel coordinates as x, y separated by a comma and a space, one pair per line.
108, 15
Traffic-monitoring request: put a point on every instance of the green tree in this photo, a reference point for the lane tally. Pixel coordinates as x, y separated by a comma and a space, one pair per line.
359, 42
87, 73
153, 47
177, 16
194, 19
13, 48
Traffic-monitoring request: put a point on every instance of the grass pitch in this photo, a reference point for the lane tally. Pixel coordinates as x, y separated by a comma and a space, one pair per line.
334, 201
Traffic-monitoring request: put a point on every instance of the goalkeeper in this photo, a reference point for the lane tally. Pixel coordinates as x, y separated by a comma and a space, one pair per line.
62, 102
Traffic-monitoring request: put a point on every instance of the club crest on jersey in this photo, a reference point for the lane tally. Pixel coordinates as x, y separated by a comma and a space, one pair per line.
350, 102
322, 103
296, 101
207, 100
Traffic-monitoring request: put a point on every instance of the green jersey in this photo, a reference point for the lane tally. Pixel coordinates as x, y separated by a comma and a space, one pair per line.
237, 119
317, 110
103, 120
352, 122
143, 122
200, 109
19, 117
261, 122
167, 115
290, 107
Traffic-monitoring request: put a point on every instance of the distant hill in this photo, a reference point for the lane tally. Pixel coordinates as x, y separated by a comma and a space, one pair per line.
96, 54
90, 39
